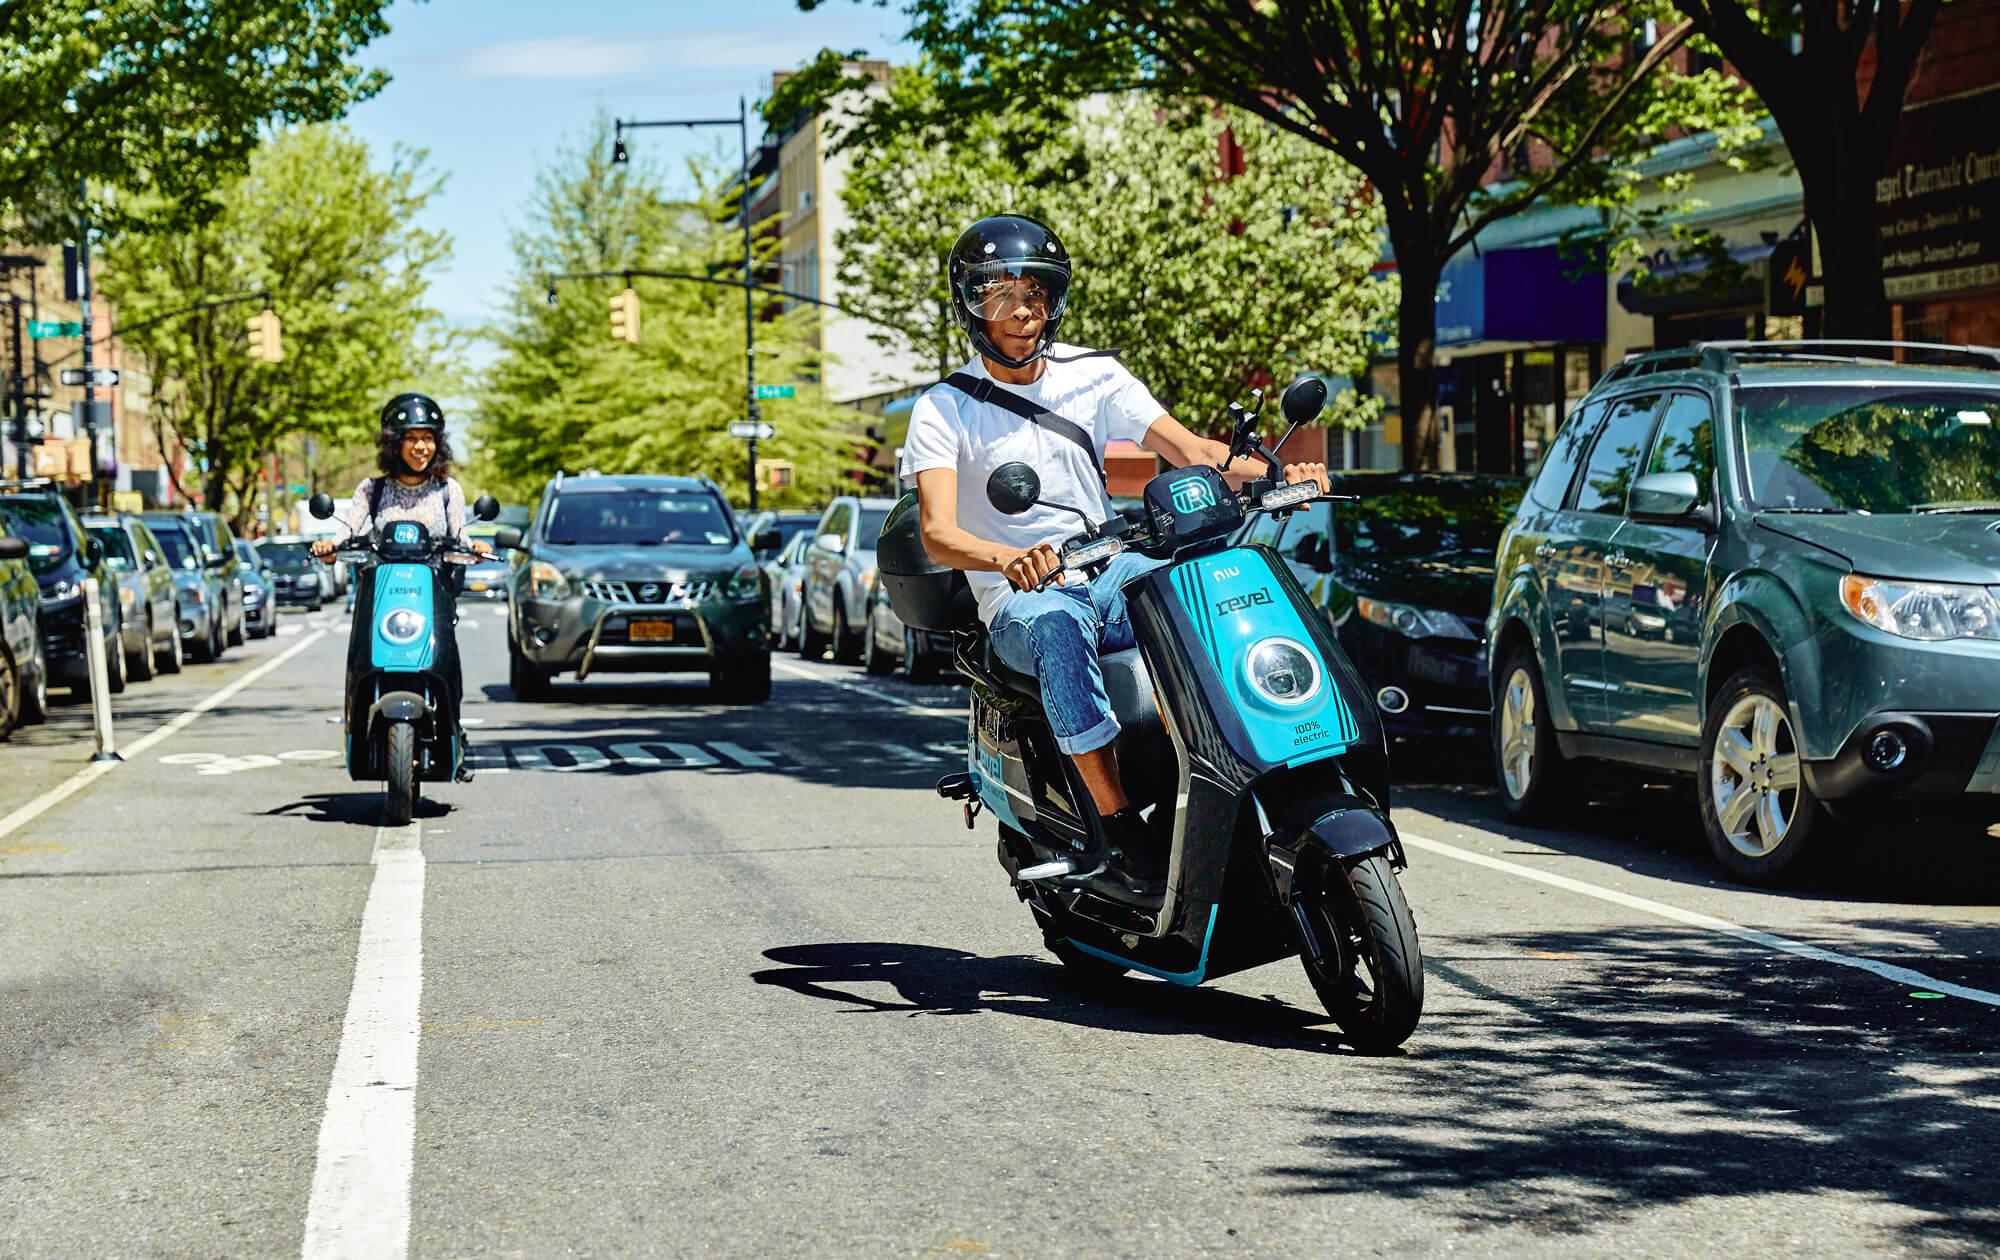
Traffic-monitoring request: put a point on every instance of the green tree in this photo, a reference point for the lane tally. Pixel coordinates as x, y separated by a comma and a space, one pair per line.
163, 99
563, 395
1204, 281
1458, 114
333, 239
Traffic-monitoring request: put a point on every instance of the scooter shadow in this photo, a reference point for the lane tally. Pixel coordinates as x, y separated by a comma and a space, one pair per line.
350, 808
933, 981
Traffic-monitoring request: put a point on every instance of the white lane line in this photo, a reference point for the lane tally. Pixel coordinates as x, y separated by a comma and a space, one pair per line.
1783, 944
98, 769
923, 710
360, 1204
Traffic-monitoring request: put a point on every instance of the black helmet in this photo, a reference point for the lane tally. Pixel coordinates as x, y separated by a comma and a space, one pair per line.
406, 412
1005, 247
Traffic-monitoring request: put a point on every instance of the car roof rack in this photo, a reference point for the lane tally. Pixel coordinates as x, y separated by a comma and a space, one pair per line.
9, 485
1728, 356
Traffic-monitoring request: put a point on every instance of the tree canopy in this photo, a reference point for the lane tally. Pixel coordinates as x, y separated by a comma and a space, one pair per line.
332, 238
563, 395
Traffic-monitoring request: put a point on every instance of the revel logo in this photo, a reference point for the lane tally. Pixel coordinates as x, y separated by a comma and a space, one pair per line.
1192, 494
1240, 602
405, 532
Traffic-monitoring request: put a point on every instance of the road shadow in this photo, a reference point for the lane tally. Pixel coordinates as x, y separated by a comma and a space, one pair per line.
1652, 1070
359, 808
930, 980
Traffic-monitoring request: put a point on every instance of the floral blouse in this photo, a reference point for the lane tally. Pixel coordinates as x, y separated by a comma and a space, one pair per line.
437, 505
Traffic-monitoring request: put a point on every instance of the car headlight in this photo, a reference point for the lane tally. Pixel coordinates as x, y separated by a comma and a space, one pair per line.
1282, 671
1412, 622
193, 595
63, 592
545, 581
403, 625
125, 596
744, 584
1922, 610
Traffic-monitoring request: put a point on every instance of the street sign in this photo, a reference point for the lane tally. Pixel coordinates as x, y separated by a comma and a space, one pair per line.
758, 431
774, 391
42, 329
102, 378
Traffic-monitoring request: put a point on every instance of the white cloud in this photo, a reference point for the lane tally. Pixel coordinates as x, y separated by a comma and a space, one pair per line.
759, 47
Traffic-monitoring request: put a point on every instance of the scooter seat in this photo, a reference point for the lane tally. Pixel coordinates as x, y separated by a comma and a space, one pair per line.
1127, 685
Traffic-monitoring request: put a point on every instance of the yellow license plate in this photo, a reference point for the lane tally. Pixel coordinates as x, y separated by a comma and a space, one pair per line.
475, 586
656, 631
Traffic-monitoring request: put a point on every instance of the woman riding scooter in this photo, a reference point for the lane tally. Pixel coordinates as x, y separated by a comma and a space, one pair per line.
415, 485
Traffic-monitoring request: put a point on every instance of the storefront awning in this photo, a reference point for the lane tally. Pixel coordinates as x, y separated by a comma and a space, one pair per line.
1539, 293
1685, 286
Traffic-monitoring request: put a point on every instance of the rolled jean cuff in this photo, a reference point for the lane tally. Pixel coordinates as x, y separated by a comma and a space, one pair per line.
1091, 740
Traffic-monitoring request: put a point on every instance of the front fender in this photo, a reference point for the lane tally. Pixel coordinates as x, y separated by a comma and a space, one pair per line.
399, 706
1353, 830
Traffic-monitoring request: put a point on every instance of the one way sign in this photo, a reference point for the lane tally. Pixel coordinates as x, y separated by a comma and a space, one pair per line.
102, 378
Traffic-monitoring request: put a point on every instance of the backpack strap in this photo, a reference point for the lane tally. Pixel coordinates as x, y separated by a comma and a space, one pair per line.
375, 501
1007, 400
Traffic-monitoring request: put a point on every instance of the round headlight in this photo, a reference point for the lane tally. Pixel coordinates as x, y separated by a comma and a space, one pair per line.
1283, 671
402, 625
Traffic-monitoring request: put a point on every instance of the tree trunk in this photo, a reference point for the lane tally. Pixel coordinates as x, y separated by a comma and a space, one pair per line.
1839, 184
1416, 349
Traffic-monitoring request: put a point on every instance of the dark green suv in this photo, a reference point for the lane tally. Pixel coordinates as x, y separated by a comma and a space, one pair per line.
1773, 566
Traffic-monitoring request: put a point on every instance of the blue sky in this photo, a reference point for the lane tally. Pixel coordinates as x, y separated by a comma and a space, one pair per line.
491, 88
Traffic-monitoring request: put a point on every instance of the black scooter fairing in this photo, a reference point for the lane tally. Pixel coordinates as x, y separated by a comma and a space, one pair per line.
368, 687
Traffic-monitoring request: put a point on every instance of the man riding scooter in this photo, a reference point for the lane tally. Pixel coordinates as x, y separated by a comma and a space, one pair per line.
1025, 397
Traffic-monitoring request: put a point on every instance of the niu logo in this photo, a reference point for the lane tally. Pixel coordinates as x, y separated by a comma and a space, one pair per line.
1192, 494
1240, 602
1220, 574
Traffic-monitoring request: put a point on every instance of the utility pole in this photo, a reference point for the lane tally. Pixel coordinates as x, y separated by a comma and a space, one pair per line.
89, 334
23, 454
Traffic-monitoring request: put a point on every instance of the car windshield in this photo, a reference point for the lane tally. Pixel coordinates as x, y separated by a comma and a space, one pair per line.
178, 546
117, 547
641, 518
1425, 520
247, 554
1857, 448
870, 528
284, 557
41, 523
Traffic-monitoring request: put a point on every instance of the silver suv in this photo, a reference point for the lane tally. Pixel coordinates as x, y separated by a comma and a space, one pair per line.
839, 569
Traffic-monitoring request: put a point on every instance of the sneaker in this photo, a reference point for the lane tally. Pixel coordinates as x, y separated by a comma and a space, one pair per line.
1136, 853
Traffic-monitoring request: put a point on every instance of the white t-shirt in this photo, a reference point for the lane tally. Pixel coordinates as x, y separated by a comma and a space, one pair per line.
949, 429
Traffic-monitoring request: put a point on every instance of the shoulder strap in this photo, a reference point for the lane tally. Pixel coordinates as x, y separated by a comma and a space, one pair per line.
375, 500
1006, 399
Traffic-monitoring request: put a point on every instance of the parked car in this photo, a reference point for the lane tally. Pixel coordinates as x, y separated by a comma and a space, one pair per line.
198, 585
62, 554
219, 540
297, 577
889, 646
840, 565
146, 605
1406, 577
260, 599
486, 579
636, 573
24, 671
784, 577
1768, 565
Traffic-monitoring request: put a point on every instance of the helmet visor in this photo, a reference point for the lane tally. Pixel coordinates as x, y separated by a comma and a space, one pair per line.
1005, 290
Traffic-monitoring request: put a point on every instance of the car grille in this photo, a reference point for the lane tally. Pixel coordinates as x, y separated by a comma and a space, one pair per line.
610, 592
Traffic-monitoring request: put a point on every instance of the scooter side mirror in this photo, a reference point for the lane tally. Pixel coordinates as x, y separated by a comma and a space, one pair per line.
93, 552
320, 505
13, 548
485, 507
1304, 399
766, 541
1014, 488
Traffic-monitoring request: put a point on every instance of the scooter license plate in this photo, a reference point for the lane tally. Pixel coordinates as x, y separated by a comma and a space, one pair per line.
651, 631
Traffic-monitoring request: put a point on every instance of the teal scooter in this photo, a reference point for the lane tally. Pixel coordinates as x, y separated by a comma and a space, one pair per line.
403, 677
1247, 738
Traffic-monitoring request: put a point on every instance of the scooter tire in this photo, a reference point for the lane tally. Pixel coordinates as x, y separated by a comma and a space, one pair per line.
1373, 986
400, 803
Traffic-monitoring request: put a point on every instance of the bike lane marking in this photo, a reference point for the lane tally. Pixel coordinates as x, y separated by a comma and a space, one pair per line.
96, 770
1692, 918
360, 1201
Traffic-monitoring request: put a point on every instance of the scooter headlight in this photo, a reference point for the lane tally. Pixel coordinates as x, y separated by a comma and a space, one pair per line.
403, 625
1282, 671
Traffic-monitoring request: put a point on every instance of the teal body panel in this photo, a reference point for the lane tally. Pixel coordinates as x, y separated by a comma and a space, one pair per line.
1186, 978
1233, 599
407, 587
988, 779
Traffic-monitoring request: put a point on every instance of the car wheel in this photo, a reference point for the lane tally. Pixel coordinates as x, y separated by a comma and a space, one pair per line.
917, 666
212, 651
35, 691
873, 659
812, 644
1528, 764
747, 682
846, 643
236, 634
1762, 819
171, 656
139, 665
114, 667
527, 680
11, 683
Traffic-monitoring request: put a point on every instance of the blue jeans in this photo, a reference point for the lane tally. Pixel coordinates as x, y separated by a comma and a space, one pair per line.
1056, 634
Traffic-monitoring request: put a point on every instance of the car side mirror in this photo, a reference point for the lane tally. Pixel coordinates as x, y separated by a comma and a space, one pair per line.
831, 542
1667, 497
93, 552
1014, 488
767, 541
509, 538
485, 507
1311, 551
13, 548
320, 505
213, 559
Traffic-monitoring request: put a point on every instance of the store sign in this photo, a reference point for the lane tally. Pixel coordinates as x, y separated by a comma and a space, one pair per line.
1938, 201
1537, 293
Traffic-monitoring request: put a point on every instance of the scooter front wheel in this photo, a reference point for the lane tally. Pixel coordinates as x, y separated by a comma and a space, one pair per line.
1358, 941
401, 803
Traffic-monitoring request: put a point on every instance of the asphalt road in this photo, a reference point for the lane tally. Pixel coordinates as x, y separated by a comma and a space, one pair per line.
681, 978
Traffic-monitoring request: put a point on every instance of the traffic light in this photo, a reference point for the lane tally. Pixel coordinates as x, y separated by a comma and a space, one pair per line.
625, 317
266, 337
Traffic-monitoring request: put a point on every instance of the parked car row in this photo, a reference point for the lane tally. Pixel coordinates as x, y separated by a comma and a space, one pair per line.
172, 585
825, 596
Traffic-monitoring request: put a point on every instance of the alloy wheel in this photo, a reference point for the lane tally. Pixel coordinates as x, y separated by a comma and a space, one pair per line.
1517, 733
1754, 777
